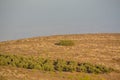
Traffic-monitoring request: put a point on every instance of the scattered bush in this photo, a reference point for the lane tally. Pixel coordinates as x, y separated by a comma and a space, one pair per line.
60, 65
48, 65
51, 65
65, 43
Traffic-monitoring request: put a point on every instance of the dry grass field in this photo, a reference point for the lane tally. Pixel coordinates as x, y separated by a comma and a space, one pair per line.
101, 49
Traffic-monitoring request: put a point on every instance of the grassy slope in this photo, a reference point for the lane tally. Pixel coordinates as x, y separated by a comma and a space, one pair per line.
94, 48
11, 73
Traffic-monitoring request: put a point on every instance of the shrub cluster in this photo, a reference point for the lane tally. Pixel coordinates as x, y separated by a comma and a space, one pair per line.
51, 65
65, 43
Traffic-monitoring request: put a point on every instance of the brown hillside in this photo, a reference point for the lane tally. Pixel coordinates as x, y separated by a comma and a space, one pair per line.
94, 48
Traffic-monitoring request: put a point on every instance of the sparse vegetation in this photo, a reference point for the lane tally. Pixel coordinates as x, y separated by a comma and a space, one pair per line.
91, 48
65, 43
2, 77
51, 65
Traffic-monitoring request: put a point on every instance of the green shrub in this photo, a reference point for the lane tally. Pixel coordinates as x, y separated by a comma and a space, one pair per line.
38, 66
103, 69
51, 65
71, 66
48, 65
81, 68
60, 65
65, 43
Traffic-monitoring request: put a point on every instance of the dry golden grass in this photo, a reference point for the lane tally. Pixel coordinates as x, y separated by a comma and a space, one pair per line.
12, 73
93, 48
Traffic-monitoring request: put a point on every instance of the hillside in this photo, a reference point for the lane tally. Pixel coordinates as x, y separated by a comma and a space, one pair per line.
101, 49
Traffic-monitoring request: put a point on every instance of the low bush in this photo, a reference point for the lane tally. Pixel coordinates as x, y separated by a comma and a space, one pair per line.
51, 65
65, 43
48, 65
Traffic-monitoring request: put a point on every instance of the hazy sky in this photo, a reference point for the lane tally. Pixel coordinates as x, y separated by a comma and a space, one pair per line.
28, 18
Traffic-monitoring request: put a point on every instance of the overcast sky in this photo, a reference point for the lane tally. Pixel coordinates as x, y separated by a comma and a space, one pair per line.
28, 18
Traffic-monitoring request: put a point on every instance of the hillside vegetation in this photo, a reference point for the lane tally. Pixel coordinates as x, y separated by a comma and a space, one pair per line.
51, 65
88, 49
